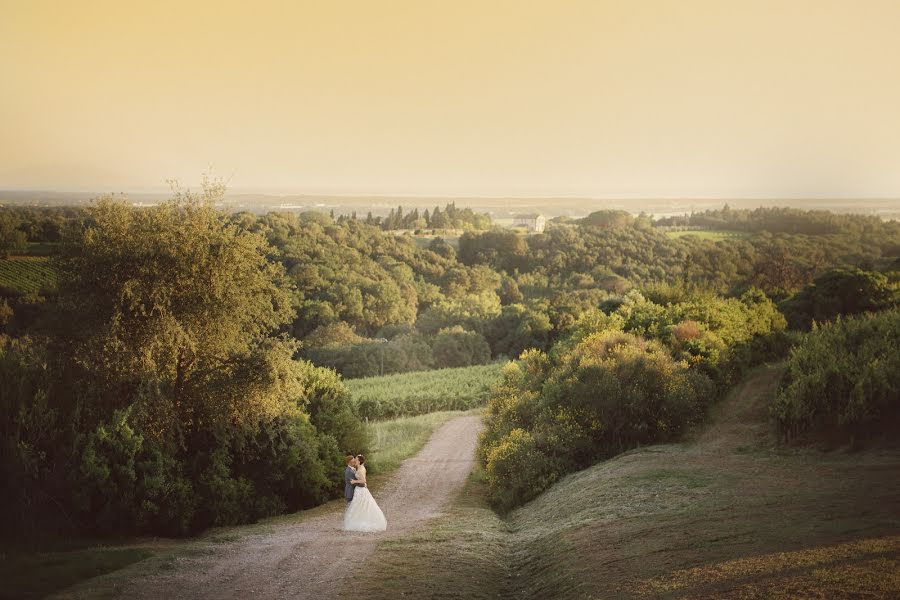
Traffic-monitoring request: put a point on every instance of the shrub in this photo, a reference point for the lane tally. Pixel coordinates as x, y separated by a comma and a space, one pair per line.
456, 347
107, 481
840, 292
517, 471
606, 393
843, 380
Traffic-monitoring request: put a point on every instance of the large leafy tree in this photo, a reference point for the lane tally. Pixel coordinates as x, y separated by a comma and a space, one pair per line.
176, 298
840, 292
12, 239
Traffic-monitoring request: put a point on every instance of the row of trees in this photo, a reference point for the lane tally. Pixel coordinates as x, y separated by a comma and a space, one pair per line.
781, 220
450, 218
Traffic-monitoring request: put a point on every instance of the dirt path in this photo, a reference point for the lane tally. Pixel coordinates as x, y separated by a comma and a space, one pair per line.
314, 558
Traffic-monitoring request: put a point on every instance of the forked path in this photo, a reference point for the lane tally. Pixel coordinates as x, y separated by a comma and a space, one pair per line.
314, 558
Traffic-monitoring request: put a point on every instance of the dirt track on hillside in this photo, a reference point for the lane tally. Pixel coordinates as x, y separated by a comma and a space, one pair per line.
314, 558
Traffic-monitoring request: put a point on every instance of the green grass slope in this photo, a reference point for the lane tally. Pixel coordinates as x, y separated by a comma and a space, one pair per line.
729, 514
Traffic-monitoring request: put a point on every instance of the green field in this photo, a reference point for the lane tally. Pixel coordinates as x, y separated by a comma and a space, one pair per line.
709, 234
422, 392
26, 275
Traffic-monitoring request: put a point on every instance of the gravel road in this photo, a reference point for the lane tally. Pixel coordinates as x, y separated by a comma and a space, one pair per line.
313, 558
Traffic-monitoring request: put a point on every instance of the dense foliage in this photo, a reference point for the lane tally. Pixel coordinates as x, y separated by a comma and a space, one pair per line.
841, 292
161, 389
641, 374
410, 394
450, 218
12, 239
843, 380
516, 291
158, 395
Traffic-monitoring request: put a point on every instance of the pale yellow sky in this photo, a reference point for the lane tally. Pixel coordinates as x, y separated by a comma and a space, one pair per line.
713, 98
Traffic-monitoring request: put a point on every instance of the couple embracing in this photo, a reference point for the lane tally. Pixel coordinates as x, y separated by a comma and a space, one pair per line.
363, 513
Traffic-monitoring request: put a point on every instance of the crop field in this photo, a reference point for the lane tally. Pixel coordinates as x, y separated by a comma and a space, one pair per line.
26, 274
709, 234
423, 240
422, 392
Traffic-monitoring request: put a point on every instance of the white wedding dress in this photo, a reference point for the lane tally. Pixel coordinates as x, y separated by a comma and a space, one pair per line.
363, 513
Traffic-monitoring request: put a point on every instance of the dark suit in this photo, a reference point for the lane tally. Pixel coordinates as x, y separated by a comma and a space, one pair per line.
349, 476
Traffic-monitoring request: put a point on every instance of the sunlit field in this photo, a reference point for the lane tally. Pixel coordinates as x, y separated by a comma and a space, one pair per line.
709, 234
422, 392
26, 275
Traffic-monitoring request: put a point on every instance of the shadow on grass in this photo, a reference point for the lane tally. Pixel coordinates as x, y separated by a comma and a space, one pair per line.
40, 574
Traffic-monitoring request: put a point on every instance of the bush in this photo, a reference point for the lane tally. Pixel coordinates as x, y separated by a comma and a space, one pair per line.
843, 380
517, 471
107, 479
840, 292
608, 392
456, 347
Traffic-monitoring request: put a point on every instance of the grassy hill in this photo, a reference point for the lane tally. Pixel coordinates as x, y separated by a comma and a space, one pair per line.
730, 514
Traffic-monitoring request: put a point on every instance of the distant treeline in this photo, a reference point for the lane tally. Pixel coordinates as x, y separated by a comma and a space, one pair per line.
450, 218
510, 292
775, 220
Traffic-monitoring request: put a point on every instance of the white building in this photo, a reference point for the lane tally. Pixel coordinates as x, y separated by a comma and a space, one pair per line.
533, 222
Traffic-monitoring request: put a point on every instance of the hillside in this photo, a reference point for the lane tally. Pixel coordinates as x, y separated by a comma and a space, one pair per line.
729, 514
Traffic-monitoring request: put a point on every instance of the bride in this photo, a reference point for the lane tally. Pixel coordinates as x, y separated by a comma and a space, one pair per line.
363, 513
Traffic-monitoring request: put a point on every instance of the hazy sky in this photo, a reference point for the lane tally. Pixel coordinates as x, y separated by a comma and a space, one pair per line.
581, 97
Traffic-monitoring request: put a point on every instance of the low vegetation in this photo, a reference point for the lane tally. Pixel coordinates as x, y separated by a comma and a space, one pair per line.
409, 394
843, 380
37, 575
643, 374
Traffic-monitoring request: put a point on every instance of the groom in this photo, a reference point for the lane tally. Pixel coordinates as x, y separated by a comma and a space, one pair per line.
349, 476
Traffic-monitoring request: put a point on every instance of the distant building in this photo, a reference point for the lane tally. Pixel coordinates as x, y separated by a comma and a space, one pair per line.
533, 222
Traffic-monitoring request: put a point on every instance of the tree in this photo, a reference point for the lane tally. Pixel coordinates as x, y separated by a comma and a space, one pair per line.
12, 240
609, 219
456, 347
186, 408
176, 295
840, 292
